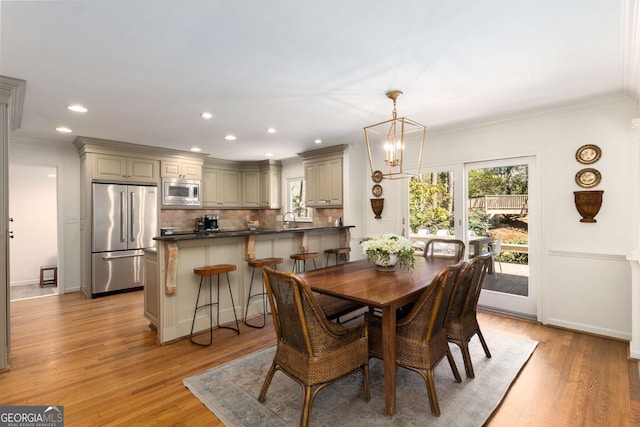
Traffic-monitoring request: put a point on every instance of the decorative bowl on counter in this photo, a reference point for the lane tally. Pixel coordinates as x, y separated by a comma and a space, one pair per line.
253, 224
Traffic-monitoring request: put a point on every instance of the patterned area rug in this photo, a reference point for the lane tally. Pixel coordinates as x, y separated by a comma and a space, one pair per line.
230, 391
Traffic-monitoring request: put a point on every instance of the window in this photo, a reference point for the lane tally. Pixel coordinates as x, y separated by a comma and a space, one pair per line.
296, 199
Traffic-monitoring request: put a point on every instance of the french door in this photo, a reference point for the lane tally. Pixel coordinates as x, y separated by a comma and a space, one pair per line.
511, 212
487, 201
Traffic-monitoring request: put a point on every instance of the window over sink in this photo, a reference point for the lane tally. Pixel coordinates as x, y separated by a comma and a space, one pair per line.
296, 189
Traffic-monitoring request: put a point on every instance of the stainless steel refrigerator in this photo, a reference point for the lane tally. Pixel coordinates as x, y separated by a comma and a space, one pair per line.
124, 222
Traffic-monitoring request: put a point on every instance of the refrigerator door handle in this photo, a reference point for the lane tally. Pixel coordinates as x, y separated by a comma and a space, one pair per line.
123, 229
110, 257
132, 235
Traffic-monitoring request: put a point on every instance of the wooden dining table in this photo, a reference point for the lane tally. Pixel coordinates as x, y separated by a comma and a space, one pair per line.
359, 281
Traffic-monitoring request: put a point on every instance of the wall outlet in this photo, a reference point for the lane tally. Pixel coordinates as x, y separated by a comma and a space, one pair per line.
247, 218
330, 219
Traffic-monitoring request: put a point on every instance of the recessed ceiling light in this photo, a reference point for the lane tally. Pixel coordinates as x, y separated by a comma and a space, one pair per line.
195, 149
271, 130
77, 108
318, 141
63, 129
269, 155
230, 137
206, 115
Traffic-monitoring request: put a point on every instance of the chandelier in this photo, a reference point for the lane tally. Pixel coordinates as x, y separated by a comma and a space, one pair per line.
395, 140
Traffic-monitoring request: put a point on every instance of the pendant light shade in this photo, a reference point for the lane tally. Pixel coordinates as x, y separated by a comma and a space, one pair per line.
395, 146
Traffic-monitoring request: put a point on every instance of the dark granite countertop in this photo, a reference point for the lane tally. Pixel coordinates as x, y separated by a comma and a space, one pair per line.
187, 235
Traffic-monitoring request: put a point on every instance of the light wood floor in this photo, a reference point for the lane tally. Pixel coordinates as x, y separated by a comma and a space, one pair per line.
99, 359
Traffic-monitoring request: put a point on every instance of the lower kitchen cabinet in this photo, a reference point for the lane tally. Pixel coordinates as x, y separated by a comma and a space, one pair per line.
151, 287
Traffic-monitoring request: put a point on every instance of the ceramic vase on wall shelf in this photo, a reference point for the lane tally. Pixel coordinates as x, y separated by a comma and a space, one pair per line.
377, 205
588, 204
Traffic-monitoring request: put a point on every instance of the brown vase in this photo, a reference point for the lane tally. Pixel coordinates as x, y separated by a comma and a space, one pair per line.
588, 204
377, 205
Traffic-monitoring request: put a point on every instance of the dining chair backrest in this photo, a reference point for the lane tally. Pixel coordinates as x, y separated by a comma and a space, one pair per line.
298, 318
497, 246
428, 317
465, 299
444, 248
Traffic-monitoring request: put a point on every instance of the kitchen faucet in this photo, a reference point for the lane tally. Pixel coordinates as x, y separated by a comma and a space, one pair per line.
285, 221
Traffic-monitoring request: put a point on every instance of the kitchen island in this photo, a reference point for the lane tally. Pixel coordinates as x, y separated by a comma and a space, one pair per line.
171, 287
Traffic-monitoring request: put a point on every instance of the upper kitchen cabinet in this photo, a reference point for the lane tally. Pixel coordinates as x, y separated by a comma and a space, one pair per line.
119, 168
270, 184
179, 169
323, 176
250, 186
221, 186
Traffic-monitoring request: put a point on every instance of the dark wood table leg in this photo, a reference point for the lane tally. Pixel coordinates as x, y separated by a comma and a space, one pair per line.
389, 358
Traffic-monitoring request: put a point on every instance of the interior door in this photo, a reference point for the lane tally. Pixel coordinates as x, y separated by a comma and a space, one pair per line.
503, 193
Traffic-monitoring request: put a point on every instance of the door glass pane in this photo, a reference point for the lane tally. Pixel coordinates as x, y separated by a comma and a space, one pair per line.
431, 207
498, 212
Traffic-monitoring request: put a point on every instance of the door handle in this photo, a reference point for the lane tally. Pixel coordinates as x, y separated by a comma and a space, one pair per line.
132, 215
109, 258
123, 230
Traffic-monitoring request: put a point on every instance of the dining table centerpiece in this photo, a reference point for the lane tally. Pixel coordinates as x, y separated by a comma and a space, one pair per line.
388, 250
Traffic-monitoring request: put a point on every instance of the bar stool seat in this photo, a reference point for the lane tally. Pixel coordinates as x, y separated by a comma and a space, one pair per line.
338, 252
210, 271
301, 258
259, 263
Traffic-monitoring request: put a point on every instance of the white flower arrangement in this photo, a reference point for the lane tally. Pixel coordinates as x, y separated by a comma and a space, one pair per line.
383, 246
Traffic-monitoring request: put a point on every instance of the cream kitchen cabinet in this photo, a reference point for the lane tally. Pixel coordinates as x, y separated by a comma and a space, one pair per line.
119, 168
323, 176
151, 287
177, 169
221, 188
270, 184
324, 183
251, 188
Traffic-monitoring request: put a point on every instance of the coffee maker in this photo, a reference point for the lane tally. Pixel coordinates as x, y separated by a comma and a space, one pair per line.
211, 222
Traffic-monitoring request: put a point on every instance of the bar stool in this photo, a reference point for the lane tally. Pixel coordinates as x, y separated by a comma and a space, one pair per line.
211, 270
338, 252
302, 258
259, 263
48, 282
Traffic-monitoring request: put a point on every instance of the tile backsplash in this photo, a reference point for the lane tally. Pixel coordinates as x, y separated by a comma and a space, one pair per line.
236, 219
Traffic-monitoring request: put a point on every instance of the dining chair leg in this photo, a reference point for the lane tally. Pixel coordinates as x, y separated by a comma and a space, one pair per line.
484, 344
367, 389
466, 357
305, 417
431, 390
454, 368
267, 382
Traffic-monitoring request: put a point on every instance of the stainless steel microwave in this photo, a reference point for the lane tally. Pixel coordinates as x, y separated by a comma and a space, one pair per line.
180, 192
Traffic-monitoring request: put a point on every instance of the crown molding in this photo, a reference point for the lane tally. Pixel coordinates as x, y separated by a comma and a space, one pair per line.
12, 92
631, 47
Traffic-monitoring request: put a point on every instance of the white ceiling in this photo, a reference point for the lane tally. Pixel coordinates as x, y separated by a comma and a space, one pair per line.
146, 69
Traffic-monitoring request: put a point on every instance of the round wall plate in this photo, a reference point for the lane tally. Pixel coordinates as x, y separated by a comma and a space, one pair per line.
588, 177
588, 154
377, 176
376, 190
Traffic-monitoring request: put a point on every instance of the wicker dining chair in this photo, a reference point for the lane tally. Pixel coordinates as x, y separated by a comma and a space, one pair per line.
462, 323
311, 350
444, 248
421, 336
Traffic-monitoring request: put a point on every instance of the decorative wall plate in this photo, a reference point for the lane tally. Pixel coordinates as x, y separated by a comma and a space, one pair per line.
588, 154
377, 176
588, 177
376, 190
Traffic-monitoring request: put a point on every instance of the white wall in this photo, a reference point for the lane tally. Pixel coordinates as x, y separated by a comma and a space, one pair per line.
64, 157
35, 229
585, 279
